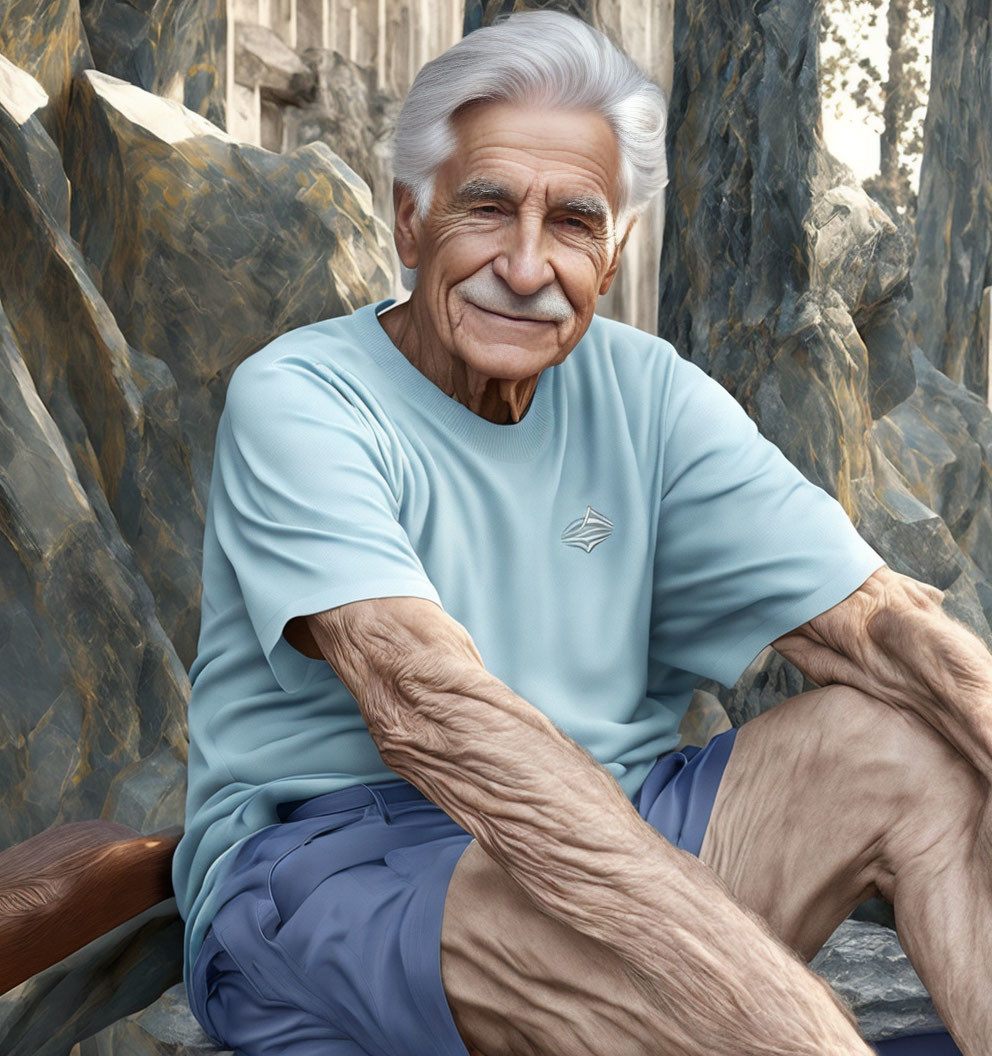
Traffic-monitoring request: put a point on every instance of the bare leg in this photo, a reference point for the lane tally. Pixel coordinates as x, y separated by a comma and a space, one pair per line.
832, 797
520, 982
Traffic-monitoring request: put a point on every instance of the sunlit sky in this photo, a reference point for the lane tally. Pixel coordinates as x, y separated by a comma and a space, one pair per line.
852, 139
854, 136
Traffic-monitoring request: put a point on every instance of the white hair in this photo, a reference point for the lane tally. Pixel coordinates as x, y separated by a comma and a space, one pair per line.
545, 58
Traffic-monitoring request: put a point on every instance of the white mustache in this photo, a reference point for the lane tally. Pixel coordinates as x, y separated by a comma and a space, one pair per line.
486, 290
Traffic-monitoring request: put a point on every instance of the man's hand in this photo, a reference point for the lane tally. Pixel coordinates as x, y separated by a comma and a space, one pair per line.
891, 639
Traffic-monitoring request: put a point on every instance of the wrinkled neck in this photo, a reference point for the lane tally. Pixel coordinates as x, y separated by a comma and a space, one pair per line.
498, 400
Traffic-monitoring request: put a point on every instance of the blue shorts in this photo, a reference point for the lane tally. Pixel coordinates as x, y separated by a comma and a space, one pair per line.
328, 942
329, 938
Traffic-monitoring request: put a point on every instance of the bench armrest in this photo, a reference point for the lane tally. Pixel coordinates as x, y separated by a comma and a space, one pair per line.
70, 884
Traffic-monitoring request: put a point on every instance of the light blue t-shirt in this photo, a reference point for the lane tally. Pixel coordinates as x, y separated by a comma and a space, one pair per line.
631, 532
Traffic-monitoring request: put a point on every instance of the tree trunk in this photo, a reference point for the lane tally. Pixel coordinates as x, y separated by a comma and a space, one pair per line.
891, 186
953, 263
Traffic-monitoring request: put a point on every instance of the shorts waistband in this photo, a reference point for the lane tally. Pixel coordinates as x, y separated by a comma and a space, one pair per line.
348, 798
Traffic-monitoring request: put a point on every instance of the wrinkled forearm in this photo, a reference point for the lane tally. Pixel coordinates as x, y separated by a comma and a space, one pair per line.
493, 763
892, 639
564, 830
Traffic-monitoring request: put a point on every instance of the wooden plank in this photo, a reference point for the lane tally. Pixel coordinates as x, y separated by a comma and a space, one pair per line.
72, 883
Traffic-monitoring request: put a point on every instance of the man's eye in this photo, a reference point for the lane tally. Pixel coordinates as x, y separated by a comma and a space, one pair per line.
485, 210
576, 223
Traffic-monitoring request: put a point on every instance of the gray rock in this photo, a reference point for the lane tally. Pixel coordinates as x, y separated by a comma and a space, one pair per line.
47, 41
119, 973
767, 680
916, 542
704, 719
941, 441
866, 965
96, 680
852, 231
263, 60
26, 141
353, 115
224, 247
89, 679
166, 1028
149, 795
115, 406
175, 48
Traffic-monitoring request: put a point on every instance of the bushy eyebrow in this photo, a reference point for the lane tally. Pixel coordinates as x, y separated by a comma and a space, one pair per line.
589, 207
480, 189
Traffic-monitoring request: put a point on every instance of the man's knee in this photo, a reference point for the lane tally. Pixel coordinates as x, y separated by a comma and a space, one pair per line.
927, 792
843, 743
861, 730
908, 782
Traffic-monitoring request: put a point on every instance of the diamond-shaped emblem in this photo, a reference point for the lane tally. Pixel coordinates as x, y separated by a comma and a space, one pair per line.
587, 531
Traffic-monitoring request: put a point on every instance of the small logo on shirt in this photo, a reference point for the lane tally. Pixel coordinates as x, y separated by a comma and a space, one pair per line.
588, 531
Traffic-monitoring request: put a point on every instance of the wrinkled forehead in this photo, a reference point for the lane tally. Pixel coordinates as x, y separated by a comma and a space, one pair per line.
504, 149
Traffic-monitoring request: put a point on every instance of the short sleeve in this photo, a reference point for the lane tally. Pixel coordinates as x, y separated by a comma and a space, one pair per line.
304, 503
748, 549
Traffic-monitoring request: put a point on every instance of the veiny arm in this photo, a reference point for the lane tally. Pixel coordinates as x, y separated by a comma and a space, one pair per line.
891, 639
561, 826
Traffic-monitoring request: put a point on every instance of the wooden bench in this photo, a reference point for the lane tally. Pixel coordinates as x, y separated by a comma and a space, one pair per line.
71, 884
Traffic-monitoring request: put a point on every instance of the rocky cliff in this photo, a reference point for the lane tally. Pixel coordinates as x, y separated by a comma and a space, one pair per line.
783, 280
144, 253
953, 267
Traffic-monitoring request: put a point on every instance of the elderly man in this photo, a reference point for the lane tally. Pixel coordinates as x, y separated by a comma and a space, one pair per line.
464, 558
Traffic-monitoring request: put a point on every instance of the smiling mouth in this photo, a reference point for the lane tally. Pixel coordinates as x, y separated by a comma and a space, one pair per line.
510, 318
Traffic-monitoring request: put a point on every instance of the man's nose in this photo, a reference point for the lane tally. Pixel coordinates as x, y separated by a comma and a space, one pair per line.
524, 262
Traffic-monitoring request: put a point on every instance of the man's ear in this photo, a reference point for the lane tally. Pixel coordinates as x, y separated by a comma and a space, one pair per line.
611, 271
406, 226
